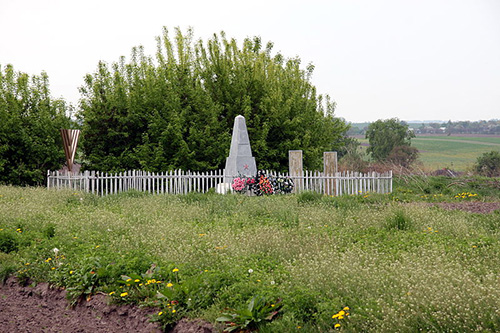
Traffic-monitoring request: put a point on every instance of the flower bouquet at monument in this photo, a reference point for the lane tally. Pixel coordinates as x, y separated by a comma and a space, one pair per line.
239, 184
282, 185
263, 184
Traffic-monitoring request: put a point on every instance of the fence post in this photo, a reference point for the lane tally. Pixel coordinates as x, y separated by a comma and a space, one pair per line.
296, 169
390, 181
329, 171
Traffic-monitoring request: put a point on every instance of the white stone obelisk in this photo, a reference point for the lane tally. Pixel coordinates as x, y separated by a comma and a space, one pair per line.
240, 161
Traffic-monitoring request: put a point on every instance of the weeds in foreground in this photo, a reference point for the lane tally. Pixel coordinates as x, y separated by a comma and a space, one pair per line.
401, 267
258, 311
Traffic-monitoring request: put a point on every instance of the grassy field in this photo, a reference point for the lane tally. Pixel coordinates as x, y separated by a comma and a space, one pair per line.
454, 152
374, 263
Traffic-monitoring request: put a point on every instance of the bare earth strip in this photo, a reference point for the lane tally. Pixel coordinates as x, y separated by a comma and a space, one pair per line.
45, 309
460, 141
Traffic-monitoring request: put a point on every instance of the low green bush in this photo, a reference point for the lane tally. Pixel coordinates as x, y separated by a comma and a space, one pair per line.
399, 221
8, 243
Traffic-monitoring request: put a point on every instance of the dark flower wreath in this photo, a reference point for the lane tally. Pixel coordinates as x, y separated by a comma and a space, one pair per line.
263, 184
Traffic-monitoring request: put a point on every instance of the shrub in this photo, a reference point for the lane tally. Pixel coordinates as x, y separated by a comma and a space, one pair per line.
49, 231
488, 164
8, 243
404, 156
399, 221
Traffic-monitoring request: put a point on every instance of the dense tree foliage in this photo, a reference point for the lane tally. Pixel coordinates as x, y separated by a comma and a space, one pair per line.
388, 136
30, 120
176, 110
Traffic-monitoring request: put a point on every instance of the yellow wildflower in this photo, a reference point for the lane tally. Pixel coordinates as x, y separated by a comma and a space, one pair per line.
175, 270
173, 311
137, 280
124, 294
169, 285
160, 313
337, 325
111, 293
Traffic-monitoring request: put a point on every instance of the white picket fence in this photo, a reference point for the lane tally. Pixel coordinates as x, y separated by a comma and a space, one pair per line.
344, 183
172, 182
182, 182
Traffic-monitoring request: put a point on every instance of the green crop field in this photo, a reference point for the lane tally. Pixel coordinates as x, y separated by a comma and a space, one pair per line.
371, 263
455, 152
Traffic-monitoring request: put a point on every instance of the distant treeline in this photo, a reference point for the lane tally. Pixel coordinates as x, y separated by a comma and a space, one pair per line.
491, 127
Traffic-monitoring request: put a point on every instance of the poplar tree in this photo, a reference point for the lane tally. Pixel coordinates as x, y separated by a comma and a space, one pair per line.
30, 119
176, 110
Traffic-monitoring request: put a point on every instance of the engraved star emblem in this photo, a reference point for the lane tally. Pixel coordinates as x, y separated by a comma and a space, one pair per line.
245, 166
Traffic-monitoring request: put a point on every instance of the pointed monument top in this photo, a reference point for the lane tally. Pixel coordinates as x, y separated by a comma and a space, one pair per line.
240, 160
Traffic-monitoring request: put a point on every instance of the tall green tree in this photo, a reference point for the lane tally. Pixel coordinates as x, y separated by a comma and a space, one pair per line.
385, 136
176, 110
30, 120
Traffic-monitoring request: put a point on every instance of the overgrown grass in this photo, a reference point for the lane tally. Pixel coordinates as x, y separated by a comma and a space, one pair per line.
397, 266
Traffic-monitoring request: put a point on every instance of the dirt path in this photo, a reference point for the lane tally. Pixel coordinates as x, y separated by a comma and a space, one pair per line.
44, 309
461, 141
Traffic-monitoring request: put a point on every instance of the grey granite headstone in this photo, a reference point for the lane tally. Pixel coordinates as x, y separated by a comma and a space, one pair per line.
240, 160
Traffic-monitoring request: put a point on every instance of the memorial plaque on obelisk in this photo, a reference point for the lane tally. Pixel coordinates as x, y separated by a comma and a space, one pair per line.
240, 161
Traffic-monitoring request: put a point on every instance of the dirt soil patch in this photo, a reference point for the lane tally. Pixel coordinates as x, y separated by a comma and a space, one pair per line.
471, 206
45, 309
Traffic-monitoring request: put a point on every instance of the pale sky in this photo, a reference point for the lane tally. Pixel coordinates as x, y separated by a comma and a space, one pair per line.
378, 59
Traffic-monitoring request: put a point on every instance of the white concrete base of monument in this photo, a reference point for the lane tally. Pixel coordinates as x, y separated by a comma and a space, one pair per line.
223, 188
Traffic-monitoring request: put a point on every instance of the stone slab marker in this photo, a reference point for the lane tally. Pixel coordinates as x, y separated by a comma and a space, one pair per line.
240, 160
296, 169
329, 170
